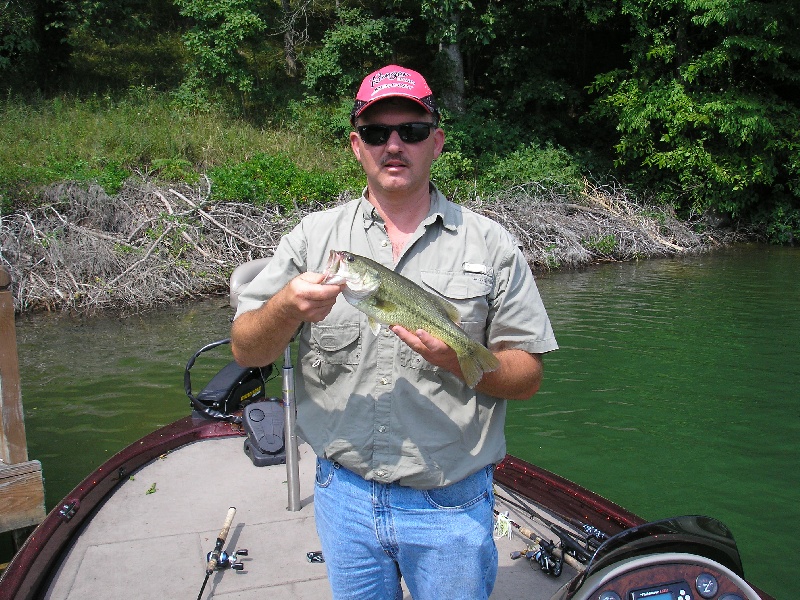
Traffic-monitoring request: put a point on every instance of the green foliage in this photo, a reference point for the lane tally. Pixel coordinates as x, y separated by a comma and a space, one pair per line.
175, 169
274, 179
548, 165
113, 22
108, 174
781, 222
103, 139
223, 28
324, 120
451, 172
135, 61
695, 100
482, 131
603, 245
192, 96
17, 42
350, 49
707, 112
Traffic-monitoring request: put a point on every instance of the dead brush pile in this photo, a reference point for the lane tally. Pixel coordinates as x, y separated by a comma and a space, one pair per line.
83, 250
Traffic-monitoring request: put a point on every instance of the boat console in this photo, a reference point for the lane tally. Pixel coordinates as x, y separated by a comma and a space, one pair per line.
683, 558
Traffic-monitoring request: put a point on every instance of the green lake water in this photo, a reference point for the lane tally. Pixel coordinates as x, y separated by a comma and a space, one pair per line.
675, 391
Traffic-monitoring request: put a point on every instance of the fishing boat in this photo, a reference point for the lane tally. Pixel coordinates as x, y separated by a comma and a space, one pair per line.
147, 522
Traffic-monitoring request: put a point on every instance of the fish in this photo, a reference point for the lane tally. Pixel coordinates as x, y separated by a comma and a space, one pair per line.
389, 298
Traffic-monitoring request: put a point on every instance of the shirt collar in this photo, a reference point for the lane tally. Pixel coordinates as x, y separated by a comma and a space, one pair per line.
440, 209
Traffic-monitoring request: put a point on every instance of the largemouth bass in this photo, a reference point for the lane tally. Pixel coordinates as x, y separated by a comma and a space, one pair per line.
388, 298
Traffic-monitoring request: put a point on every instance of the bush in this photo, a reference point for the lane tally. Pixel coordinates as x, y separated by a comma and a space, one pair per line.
546, 164
355, 45
451, 172
275, 179
782, 223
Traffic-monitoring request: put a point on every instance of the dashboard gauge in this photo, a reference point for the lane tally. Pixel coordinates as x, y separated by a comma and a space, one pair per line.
706, 585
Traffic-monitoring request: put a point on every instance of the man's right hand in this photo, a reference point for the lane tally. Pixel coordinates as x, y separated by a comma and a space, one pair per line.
306, 299
258, 337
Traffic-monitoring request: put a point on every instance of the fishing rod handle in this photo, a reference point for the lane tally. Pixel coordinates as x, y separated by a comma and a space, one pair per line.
213, 560
223, 534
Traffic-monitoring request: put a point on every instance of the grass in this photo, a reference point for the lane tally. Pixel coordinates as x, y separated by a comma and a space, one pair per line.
104, 139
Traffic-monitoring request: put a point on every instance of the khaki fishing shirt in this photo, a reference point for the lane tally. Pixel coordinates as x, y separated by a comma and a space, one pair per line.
371, 403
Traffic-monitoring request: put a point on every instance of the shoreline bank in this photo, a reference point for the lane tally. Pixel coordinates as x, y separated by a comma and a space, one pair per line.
85, 251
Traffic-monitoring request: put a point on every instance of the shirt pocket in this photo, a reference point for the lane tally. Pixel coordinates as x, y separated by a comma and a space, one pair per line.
335, 349
469, 294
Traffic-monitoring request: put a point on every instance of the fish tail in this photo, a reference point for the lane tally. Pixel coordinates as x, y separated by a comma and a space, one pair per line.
476, 361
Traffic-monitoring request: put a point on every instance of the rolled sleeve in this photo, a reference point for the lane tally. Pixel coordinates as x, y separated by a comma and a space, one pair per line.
519, 319
288, 262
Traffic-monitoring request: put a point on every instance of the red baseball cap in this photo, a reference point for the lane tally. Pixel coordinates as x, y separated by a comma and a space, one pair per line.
394, 81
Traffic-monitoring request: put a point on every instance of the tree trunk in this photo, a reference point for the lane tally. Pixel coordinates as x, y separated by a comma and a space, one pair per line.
289, 36
453, 94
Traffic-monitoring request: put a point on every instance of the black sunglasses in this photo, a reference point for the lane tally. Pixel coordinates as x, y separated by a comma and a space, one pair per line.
411, 133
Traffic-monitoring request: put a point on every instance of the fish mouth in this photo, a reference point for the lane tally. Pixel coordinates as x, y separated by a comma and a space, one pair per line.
331, 273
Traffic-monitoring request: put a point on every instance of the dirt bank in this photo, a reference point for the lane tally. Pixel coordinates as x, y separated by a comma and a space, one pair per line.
83, 250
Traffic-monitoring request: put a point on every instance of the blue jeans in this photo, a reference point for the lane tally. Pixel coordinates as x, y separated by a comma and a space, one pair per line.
440, 540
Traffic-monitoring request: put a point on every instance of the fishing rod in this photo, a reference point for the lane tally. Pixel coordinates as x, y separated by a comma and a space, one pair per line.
594, 537
214, 555
574, 550
544, 552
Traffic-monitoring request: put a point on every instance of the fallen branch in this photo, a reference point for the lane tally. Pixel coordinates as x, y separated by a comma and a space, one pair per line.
141, 260
217, 223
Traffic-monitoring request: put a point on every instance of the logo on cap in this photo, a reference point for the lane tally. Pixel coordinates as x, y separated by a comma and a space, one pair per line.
391, 81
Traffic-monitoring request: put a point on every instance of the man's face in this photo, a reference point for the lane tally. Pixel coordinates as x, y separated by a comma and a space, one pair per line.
396, 166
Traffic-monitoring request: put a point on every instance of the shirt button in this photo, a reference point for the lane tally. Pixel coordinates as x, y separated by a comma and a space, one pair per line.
382, 429
385, 243
384, 381
380, 473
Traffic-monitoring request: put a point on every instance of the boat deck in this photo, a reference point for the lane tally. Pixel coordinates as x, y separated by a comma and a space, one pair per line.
154, 545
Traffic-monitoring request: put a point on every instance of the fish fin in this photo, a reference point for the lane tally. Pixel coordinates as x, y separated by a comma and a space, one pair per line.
374, 326
450, 310
476, 361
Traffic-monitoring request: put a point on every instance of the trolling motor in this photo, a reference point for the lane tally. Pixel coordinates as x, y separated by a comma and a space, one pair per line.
236, 388
229, 390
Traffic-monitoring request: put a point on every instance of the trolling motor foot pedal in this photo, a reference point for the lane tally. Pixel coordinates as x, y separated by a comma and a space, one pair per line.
264, 425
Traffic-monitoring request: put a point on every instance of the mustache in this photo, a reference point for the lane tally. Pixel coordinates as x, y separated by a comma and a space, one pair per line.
396, 159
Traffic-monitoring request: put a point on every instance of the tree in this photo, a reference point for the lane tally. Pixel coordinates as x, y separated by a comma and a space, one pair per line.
707, 109
222, 28
16, 34
354, 46
444, 19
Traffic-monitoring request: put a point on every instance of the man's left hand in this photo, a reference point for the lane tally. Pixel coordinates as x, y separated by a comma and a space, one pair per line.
432, 349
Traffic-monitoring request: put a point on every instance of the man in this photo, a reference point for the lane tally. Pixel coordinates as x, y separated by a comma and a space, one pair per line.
405, 448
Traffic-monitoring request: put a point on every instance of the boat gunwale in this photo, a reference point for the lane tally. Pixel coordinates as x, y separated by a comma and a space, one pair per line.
546, 489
